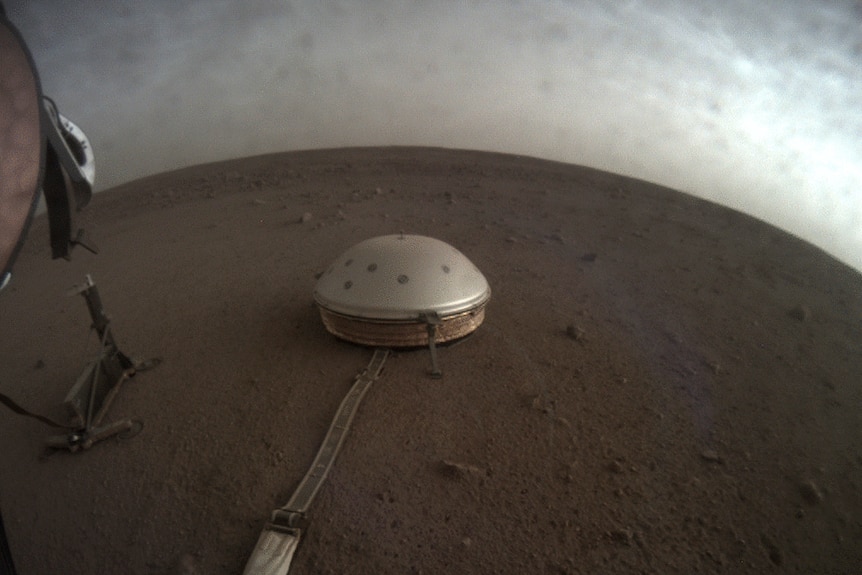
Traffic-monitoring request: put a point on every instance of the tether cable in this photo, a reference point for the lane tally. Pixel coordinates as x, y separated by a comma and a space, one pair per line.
280, 537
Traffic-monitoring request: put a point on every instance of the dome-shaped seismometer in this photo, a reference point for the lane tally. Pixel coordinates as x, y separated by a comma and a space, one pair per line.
386, 291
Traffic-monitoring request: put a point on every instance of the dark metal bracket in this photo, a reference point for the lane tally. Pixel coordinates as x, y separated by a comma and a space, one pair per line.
90, 398
432, 320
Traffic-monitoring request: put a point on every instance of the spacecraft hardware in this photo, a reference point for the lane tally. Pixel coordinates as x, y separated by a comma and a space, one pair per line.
389, 291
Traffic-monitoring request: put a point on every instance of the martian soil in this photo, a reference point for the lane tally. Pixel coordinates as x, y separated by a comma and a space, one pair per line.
661, 385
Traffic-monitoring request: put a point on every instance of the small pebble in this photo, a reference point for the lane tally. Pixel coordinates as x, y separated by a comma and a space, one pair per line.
458, 469
810, 493
800, 313
574, 332
622, 536
711, 455
186, 565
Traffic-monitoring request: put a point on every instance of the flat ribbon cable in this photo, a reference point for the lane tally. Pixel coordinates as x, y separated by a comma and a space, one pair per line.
280, 537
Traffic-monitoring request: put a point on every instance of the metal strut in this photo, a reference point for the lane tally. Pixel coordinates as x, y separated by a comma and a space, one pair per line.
278, 540
96, 388
432, 321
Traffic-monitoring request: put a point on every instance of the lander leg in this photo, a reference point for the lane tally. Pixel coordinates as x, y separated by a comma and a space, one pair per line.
98, 385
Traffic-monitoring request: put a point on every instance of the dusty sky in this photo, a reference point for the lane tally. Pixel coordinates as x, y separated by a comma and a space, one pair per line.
754, 105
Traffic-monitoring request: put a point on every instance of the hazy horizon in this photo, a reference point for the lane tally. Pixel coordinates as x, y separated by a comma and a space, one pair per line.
756, 106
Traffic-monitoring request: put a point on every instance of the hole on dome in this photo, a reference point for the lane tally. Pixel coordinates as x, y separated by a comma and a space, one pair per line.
402, 279
348, 284
445, 269
348, 262
372, 267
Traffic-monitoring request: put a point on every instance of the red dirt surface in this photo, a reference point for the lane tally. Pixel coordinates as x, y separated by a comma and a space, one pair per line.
661, 385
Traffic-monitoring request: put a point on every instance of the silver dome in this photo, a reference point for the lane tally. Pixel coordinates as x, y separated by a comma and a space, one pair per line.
401, 277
